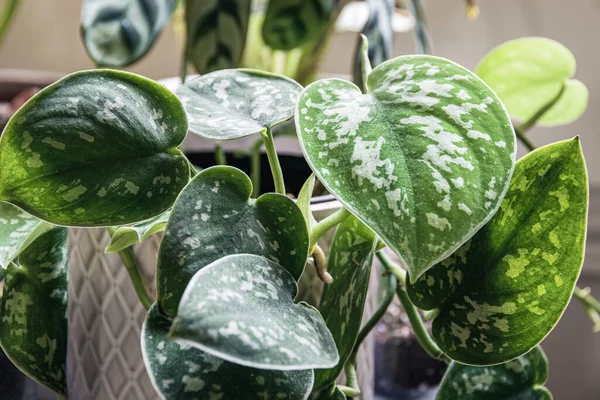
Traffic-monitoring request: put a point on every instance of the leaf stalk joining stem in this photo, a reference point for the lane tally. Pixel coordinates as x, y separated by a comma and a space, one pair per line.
326, 224
269, 143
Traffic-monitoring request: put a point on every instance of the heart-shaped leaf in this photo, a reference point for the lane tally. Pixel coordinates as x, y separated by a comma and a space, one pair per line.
214, 217
216, 33
529, 73
292, 23
343, 301
423, 159
241, 308
126, 236
96, 148
504, 290
181, 372
522, 378
33, 330
17, 230
232, 104
117, 33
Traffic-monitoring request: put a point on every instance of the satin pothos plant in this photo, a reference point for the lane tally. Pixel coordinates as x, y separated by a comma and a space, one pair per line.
421, 156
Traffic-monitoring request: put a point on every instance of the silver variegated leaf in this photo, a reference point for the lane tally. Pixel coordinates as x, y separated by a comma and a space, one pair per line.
504, 290
216, 33
423, 159
241, 308
291, 23
213, 217
126, 236
96, 148
17, 230
181, 372
33, 328
343, 301
117, 33
522, 378
231, 104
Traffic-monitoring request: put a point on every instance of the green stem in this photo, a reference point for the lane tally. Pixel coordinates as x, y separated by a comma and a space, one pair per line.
392, 267
267, 137
421, 36
220, 157
6, 15
522, 129
60, 397
351, 389
416, 323
326, 224
128, 258
255, 167
592, 306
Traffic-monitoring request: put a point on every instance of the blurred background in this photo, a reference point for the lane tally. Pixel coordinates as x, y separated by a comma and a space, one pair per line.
45, 37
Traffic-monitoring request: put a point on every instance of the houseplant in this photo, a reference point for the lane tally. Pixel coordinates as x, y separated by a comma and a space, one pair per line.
419, 107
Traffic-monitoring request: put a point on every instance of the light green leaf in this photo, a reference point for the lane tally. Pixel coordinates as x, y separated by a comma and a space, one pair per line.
529, 73
292, 23
303, 202
126, 236
423, 159
117, 33
231, 104
241, 308
180, 372
505, 289
33, 331
343, 301
214, 217
362, 66
17, 230
96, 148
216, 33
522, 379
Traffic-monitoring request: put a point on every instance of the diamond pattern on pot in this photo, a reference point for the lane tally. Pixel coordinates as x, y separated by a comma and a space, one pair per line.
104, 360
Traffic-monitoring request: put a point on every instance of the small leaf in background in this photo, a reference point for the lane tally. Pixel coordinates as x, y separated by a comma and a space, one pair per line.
522, 378
343, 301
503, 291
362, 66
303, 202
33, 328
181, 372
117, 33
379, 31
17, 230
292, 23
214, 217
216, 33
529, 73
423, 159
126, 236
231, 104
241, 308
96, 148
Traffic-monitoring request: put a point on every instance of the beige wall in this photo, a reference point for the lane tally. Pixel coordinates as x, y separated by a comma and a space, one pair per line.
46, 37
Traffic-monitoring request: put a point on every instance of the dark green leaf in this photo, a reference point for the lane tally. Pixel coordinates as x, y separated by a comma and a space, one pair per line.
216, 33
529, 73
214, 217
519, 379
181, 372
292, 23
17, 230
126, 236
33, 331
423, 159
504, 290
96, 148
343, 301
241, 309
231, 104
117, 33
